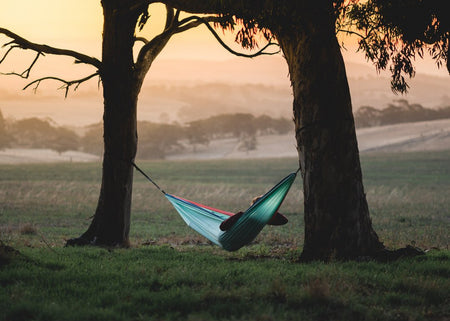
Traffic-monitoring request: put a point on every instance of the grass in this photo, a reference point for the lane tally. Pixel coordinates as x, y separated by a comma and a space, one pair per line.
170, 273
163, 283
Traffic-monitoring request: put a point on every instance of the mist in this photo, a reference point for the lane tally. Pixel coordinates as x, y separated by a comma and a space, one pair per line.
180, 91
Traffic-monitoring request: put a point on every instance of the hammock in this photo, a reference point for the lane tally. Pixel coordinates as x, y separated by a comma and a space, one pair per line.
206, 220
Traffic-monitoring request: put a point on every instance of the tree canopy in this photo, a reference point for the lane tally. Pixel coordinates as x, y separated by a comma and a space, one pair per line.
392, 33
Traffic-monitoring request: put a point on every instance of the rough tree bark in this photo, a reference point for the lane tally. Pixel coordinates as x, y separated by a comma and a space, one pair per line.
111, 222
337, 221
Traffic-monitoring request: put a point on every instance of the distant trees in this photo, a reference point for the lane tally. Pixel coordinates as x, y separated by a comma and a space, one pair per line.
244, 127
235, 125
197, 134
400, 111
92, 140
159, 140
156, 140
4, 138
39, 133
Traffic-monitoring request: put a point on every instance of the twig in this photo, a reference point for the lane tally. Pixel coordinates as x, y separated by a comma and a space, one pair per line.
26, 73
67, 84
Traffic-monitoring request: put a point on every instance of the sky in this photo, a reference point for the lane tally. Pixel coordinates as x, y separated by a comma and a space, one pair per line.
77, 25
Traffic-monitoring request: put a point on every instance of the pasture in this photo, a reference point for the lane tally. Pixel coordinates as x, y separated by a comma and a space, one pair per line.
171, 273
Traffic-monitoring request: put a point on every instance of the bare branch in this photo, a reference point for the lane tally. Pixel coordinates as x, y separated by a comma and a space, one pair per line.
240, 8
26, 73
194, 21
19, 42
7, 52
142, 39
171, 17
152, 48
66, 84
350, 32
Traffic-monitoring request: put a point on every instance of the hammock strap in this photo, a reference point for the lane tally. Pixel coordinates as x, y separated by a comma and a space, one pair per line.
147, 177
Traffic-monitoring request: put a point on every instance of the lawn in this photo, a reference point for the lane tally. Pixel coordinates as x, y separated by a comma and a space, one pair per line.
171, 273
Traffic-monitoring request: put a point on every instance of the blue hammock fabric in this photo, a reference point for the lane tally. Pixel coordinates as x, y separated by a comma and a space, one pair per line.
206, 220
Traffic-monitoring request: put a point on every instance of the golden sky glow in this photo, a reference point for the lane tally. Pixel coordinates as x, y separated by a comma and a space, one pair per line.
53, 20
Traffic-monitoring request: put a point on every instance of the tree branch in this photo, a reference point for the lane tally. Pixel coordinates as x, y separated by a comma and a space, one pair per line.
8, 51
19, 42
239, 8
66, 84
350, 32
26, 73
194, 21
158, 42
142, 39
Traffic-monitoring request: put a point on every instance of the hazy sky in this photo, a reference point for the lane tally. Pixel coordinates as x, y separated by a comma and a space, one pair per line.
77, 25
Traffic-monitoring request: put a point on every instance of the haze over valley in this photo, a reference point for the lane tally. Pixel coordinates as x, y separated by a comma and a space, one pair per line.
182, 91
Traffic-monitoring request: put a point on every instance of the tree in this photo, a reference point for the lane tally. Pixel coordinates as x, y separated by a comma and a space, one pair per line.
92, 142
337, 220
197, 134
64, 140
40, 133
157, 140
5, 139
122, 77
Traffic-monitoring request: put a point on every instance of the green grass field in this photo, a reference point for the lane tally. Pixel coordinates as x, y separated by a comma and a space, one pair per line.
171, 273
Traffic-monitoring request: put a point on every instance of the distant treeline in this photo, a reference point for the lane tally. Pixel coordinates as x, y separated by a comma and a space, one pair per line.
37, 133
155, 140
401, 111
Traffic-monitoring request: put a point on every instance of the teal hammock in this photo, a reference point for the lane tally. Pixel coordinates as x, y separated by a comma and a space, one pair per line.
206, 220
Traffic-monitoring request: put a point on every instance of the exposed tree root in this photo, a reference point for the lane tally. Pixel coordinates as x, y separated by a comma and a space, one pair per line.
94, 241
386, 255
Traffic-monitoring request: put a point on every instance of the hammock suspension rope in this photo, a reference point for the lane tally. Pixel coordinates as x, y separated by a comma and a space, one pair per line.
147, 177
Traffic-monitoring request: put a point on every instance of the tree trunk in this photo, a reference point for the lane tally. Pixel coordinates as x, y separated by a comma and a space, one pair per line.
111, 223
337, 221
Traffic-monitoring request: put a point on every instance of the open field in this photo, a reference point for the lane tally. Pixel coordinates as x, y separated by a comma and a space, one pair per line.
171, 273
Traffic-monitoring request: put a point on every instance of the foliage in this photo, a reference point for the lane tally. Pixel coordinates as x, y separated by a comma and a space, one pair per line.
156, 140
92, 140
197, 134
40, 133
237, 125
392, 33
5, 139
401, 111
